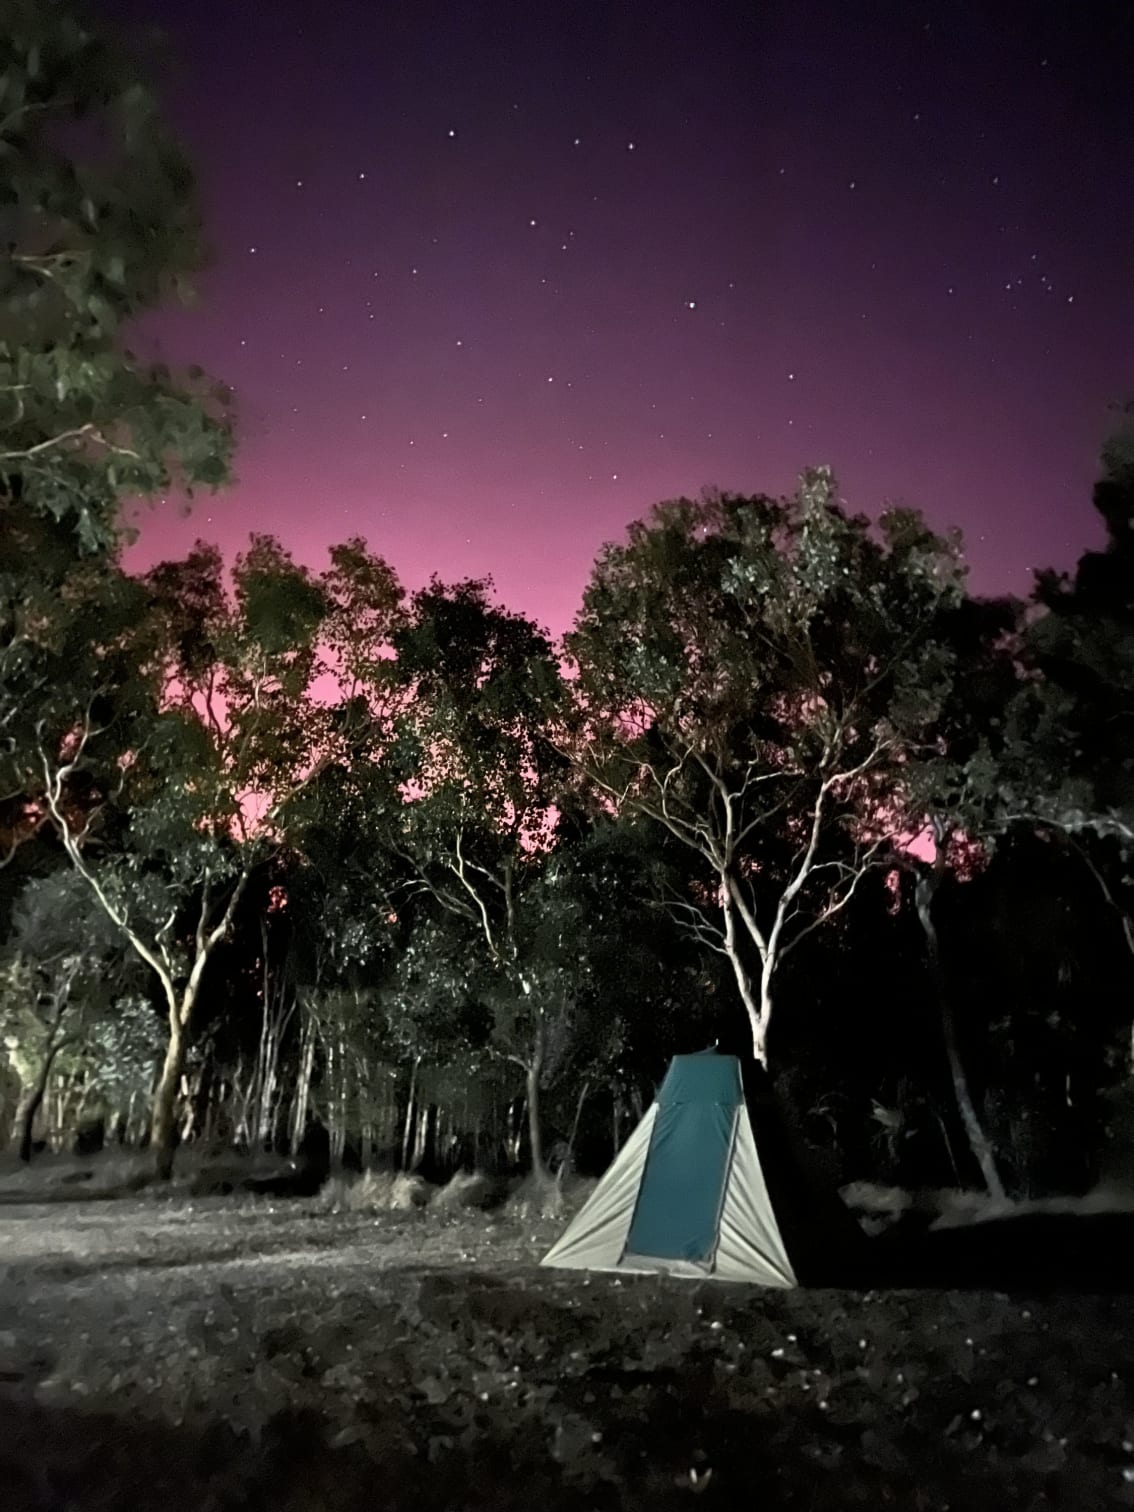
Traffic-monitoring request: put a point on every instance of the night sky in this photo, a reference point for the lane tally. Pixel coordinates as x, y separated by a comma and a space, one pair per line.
491, 279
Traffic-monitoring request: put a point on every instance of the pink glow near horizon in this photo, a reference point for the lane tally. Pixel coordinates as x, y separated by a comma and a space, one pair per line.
489, 282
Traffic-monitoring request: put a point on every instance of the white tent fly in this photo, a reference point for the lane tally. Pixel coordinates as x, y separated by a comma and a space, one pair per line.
686, 1195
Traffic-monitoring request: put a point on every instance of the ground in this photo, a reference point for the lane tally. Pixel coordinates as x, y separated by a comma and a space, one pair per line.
226, 1352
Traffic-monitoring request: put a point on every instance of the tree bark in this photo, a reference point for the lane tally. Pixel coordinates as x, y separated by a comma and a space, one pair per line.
533, 1074
570, 1151
411, 1109
35, 1101
303, 1087
535, 1122
758, 1009
164, 1124
979, 1143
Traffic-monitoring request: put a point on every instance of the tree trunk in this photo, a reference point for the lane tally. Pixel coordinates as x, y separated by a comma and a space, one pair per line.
303, 1086
533, 1073
764, 1018
34, 1102
343, 1115
570, 1151
164, 1124
758, 1009
979, 1142
274, 1020
411, 1109
535, 1125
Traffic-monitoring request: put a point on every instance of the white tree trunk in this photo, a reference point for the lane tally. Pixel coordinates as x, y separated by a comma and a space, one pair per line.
303, 1083
411, 1109
758, 1008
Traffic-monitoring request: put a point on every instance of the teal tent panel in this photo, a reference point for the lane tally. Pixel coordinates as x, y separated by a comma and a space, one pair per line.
679, 1202
707, 1077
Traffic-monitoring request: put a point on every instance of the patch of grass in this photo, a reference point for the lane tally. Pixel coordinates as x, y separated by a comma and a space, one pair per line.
375, 1192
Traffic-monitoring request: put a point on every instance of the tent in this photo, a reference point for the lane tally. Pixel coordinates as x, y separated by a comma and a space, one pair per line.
712, 1184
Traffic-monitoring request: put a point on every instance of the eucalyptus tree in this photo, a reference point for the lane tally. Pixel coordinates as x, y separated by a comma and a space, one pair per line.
951, 817
338, 874
751, 673
478, 691
1057, 753
1069, 746
344, 925
174, 748
1038, 735
98, 225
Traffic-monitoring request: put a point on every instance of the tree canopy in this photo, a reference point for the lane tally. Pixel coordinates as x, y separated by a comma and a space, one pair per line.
99, 224
751, 674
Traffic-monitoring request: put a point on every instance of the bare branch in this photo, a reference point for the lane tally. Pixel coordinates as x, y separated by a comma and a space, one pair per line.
867, 863
77, 433
71, 844
695, 922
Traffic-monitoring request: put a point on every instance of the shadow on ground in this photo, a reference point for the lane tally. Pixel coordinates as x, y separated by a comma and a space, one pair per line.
57, 1460
1030, 1252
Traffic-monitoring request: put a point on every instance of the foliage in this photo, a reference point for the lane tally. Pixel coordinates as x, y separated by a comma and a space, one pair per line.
71, 646
165, 807
99, 224
475, 690
121, 1052
61, 973
751, 673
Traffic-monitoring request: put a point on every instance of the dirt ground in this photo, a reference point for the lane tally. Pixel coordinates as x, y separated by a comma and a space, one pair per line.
226, 1352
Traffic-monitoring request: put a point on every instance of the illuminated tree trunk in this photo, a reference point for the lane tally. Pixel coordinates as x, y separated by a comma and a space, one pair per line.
303, 1085
164, 1122
757, 1007
34, 1101
411, 1110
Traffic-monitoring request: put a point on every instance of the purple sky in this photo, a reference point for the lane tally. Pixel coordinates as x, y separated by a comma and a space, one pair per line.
490, 279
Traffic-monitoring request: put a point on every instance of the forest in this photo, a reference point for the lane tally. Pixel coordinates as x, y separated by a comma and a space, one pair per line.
287, 847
